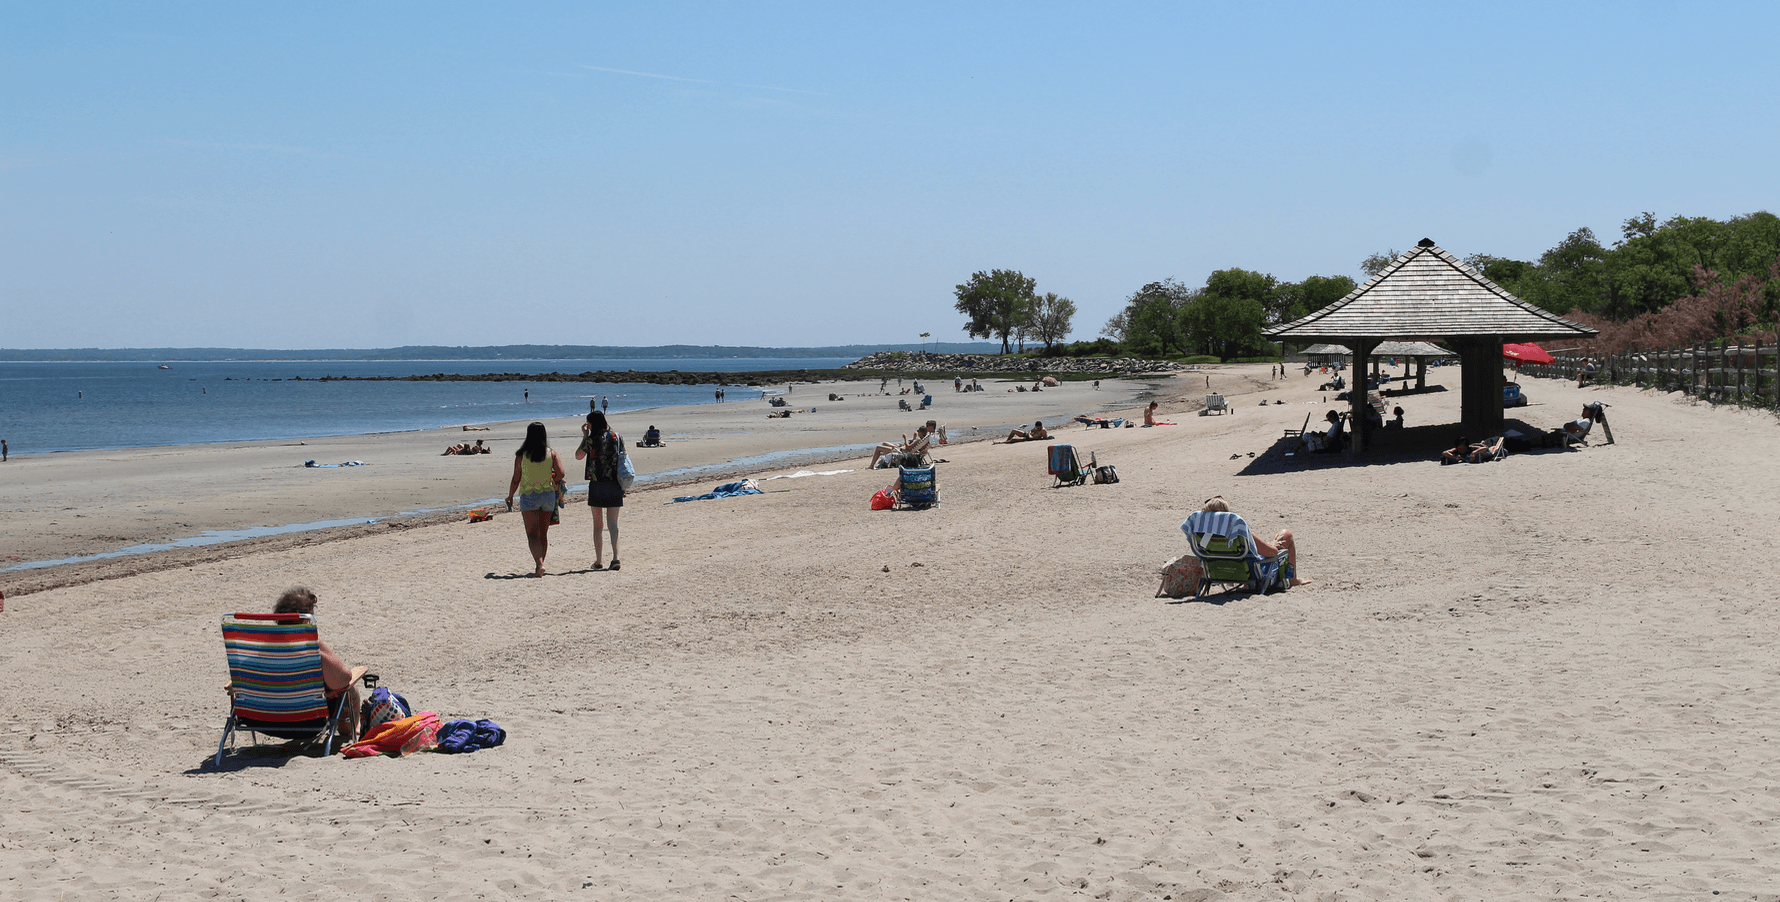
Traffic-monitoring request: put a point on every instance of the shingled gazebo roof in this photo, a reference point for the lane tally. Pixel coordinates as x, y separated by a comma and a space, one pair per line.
1428, 293
1410, 349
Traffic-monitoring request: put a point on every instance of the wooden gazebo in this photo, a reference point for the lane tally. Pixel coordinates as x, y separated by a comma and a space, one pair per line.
1428, 294
1419, 351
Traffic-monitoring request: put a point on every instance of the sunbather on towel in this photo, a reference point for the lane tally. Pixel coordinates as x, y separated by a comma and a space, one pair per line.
1283, 539
341, 683
1036, 434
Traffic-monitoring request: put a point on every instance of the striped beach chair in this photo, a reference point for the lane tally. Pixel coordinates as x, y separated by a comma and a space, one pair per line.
275, 682
1223, 544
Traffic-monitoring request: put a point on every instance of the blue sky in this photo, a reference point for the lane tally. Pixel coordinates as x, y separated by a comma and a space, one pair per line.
376, 175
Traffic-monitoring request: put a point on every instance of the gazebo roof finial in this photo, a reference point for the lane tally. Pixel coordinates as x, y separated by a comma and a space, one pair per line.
1425, 242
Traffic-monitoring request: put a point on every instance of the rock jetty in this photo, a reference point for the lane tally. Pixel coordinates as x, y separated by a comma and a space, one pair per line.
920, 362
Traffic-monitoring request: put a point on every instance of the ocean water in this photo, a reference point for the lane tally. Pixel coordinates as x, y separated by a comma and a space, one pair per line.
47, 407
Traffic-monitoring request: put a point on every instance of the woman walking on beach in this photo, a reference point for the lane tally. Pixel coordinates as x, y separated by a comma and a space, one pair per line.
600, 447
536, 471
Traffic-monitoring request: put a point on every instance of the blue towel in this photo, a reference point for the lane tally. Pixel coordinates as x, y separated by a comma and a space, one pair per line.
460, 736
726, 490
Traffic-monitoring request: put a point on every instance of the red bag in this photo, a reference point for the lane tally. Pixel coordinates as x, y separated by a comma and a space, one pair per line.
883, 500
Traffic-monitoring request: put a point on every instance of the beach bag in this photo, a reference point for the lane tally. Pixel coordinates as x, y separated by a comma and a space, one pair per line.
1181, 577
627, 474
1105, 475
383, 706
883, 500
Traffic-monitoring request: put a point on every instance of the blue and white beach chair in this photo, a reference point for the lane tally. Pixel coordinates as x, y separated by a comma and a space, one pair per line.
1222, 542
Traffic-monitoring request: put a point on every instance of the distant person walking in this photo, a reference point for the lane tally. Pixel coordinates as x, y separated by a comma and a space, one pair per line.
605, 404
528, 396
600, 447
4, 453
536, 471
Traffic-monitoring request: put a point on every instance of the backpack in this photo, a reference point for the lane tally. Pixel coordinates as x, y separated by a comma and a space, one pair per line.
1105, 475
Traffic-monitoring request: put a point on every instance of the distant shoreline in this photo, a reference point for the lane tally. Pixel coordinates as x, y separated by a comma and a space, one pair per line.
514, 353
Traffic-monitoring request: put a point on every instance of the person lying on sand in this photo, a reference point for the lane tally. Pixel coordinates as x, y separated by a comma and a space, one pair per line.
1035, 434
462, 448
476, 428
1481, 452
1486, 450
1457, 453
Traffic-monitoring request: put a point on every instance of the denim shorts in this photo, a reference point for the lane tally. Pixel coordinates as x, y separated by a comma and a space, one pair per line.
538, 501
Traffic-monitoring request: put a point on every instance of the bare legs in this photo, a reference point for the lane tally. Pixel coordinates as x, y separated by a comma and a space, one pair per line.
882, 449
610, 516
537, 535
1283, 540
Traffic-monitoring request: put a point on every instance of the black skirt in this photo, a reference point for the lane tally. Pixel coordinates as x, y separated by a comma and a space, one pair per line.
604, 494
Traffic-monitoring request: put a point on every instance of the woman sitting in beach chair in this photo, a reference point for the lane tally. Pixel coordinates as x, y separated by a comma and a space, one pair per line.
909, 452
1232, 554
651, 438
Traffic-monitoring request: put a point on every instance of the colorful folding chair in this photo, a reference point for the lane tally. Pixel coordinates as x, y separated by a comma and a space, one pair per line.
275, 682
1065, 466
917, 488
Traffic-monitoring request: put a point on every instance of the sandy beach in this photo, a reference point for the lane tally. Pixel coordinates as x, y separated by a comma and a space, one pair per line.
1545, 677
55, 507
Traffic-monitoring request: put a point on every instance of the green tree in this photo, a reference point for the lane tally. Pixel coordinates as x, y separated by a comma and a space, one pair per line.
1225, 326
1115, 327
1376, 263
1295, 300
1153, 318
1051, 319
1572, 276
996, 304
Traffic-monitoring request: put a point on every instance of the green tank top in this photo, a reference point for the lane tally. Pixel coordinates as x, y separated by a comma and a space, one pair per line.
534, 475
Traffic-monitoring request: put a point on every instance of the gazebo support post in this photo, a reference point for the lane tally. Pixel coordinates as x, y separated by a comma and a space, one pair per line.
1480, 392
1359, 427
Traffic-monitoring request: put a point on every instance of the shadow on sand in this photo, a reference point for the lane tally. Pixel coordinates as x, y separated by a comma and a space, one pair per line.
1389, 446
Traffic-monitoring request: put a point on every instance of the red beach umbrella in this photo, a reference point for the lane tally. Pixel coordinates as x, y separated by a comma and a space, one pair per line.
1527, 353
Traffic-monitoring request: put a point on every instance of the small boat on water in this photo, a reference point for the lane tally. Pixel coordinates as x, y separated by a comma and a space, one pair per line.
165, 367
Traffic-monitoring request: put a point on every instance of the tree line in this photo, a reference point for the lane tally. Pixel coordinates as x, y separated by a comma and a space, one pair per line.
1686, 279
1161, 319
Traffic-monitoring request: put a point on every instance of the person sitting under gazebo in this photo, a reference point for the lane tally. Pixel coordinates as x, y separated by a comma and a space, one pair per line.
1329, 441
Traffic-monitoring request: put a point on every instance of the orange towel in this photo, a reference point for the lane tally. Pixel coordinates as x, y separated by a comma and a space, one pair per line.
397, 737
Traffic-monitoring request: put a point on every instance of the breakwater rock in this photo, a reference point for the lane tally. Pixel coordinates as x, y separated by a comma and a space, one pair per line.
919, 362
653, 377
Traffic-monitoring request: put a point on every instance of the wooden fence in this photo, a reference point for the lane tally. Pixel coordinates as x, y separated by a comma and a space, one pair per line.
1745, 373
